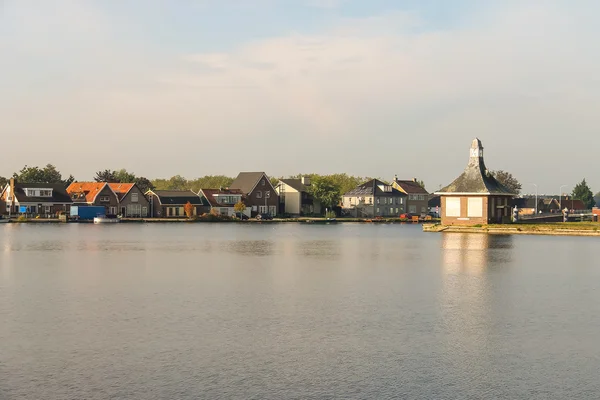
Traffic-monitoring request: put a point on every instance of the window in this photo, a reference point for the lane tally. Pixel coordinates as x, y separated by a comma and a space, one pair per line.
475, 207
104, 199
223, 211
268, 194
47, 210
262, 182
378, 201
134, 197
377, 210
113, 210
452, 206
396, 210
391, 210
177, 211
273, 210
412, 209
144, 211
259, 195
263, 209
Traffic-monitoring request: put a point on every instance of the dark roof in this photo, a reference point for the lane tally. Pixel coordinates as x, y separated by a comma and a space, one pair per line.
434, 201
59, 193
210, 195
296, 184
476, 178
411, 187
246, 181
178, 197
366, 189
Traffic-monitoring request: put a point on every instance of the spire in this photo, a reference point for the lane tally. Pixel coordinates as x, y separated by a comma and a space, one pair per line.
476, 149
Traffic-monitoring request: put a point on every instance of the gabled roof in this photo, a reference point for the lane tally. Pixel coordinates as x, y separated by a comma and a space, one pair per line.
212, 200
476, 179
121, 189
295, 184
178, 197
88, 189
247, 181
59, 193
410, 187
366, 189
434, 201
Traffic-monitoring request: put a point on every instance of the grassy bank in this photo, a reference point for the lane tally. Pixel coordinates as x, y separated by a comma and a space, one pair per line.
557, 229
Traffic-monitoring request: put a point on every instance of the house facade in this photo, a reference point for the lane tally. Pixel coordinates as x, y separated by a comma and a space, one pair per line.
222, 201
171, 203
38, 199
475, 197
94, 194
374, 199
295, 198
258, 194
132, 202
417, 197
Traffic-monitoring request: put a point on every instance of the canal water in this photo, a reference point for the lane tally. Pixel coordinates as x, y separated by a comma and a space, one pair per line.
290, 311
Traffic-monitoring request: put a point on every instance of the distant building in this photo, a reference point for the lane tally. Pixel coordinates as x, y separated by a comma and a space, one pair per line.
94, 194
475, 197
223, 200
132, 202
417, 197
295, 197
171, 203
374, 199
258, 193
43, 199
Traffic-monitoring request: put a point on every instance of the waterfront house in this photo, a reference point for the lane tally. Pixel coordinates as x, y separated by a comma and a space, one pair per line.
434, 205
372, 199
132, 202
94, 194
43, 199
258, 193
223, 200
171, 203
475, 197
418, 197
526, 205
295, 198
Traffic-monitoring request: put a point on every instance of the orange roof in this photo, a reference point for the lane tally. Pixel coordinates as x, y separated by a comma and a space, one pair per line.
121, 189
89, 189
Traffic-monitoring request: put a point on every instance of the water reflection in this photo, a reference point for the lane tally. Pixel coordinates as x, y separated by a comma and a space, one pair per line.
473, 253
329, 249
249, 247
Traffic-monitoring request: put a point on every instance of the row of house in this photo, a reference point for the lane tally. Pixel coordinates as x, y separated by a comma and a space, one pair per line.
288, 197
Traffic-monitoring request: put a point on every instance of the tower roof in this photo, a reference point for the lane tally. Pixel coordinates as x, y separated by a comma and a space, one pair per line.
476, 178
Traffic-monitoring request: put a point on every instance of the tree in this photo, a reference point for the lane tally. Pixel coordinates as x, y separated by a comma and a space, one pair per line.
3, 182
69, 180
507, 180
144, 184
123, 176
188, 209
48, 174
210, 182
239, 207
325, 191
106, 176
421, 183
582, 192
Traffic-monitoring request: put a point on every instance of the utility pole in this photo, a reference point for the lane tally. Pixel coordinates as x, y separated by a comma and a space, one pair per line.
560, 196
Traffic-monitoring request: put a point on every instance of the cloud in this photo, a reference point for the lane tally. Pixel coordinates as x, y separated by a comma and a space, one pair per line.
382, 94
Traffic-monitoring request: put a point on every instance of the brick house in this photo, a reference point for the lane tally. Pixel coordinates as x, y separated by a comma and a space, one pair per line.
417, 197
132, 202
475, 197
374, 199
94, 194
258, 194
43, 199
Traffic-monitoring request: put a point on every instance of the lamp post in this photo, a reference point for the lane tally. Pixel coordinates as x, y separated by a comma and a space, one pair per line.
560, 196
536, 201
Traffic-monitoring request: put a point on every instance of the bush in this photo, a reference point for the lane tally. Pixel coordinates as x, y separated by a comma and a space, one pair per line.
22, 218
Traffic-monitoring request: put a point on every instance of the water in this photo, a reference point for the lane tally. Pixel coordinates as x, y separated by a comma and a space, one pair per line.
288, 311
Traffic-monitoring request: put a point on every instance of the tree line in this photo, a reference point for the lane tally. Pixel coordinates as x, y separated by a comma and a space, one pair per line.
328, 189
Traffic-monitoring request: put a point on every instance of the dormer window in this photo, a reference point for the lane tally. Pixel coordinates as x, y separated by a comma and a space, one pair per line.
263, 182
259, 195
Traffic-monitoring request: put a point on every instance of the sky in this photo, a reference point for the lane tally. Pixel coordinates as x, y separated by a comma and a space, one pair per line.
370, 88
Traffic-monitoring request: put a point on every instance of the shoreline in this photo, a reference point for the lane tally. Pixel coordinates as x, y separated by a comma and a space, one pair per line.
250, 221
562, 229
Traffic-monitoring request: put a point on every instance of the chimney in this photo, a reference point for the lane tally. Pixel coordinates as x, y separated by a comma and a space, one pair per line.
415, 180
305, 180
395, 177
12, 182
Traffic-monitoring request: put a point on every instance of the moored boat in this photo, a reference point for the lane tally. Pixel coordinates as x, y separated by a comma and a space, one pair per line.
103, 219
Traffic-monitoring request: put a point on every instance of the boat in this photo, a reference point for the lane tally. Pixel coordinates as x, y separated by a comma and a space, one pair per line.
103, 219
4, 220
